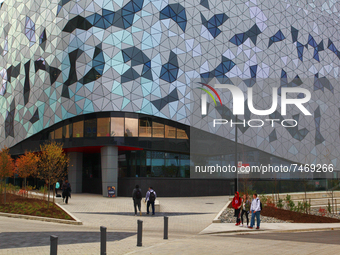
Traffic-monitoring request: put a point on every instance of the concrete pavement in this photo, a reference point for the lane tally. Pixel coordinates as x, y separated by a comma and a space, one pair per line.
187, 218
186, 215
216, 228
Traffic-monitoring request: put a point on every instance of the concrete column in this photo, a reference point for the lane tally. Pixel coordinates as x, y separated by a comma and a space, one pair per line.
109, 164
75, 171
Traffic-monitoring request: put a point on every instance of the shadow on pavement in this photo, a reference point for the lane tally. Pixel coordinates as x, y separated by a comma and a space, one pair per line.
31, 239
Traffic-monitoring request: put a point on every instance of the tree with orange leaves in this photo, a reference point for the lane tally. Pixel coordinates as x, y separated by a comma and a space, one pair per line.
27, 165
53, 163
6, 167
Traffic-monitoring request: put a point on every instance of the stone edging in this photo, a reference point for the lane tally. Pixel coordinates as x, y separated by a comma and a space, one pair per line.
257, 231
79, 222
30, 217
216, 219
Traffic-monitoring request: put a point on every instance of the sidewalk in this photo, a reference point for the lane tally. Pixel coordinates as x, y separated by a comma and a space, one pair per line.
216, 228
190, 230
187, 215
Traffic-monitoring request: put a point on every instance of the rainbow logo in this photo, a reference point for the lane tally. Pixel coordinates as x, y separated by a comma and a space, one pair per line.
209, 93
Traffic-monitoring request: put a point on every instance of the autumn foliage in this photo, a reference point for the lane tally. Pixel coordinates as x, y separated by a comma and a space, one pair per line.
52, 163
6, 167
27, 165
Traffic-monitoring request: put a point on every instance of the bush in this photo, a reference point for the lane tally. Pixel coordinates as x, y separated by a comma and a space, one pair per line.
306, 206
279, 204
299, 207
329, 207
289, 203
263, 199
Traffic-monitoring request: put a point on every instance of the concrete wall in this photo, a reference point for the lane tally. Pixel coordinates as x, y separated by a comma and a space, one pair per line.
109, 164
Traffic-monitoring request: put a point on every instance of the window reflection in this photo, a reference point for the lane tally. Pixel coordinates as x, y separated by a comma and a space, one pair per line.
103, 127
131, 127
90, 128
153, 164
170, 132
78, 129
181, 134
58, 134
144, 128
157, 130
117, 126
67, 131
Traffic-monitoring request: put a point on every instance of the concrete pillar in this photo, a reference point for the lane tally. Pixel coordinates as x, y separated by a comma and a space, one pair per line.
109, 164
75, 171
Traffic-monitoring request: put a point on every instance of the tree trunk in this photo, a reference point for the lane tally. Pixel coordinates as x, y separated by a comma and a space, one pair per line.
5, 192
26, 188
53, 193
49, 191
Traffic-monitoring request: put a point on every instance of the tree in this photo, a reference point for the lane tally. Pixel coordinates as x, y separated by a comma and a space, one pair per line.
52, 164
27, 165
6, 167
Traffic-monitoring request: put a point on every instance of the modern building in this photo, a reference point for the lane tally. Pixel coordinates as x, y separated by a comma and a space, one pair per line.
113, 81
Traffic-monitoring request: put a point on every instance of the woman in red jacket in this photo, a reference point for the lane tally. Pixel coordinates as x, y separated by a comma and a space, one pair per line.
236, 203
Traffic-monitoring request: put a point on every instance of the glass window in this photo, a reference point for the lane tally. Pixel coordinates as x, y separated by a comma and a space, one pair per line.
157, 130
103, 127
181, 134
144, 128
90, 128
51, 135
78, 129
157, 167
67, 131
185, 168
171, 168
170, 132
131, 127
117, 126
157, 154
58, 134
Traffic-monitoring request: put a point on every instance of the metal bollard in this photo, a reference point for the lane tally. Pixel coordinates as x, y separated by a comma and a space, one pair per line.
139, 232
102, 240
166, 227
54, 245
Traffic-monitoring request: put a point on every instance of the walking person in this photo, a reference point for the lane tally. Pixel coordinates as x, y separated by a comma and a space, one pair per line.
137, 198
66, 191
255, 209
237, 203
150, 198
245, 209
57, 186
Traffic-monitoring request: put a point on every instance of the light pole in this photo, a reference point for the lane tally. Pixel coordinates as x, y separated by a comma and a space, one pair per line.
236, 179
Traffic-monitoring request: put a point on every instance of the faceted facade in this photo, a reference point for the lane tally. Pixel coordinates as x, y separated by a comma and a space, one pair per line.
64, 58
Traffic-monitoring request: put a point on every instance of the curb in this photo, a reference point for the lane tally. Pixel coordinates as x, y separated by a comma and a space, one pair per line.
216, 219
272, 231
29, 217
79, 222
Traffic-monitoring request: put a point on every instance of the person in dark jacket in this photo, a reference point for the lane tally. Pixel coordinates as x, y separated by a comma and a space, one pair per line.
137, 198
66, 191
237, 203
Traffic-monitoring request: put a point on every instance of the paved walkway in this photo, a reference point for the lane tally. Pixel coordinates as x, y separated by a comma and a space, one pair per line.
186, 215
215, 228
187, 218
